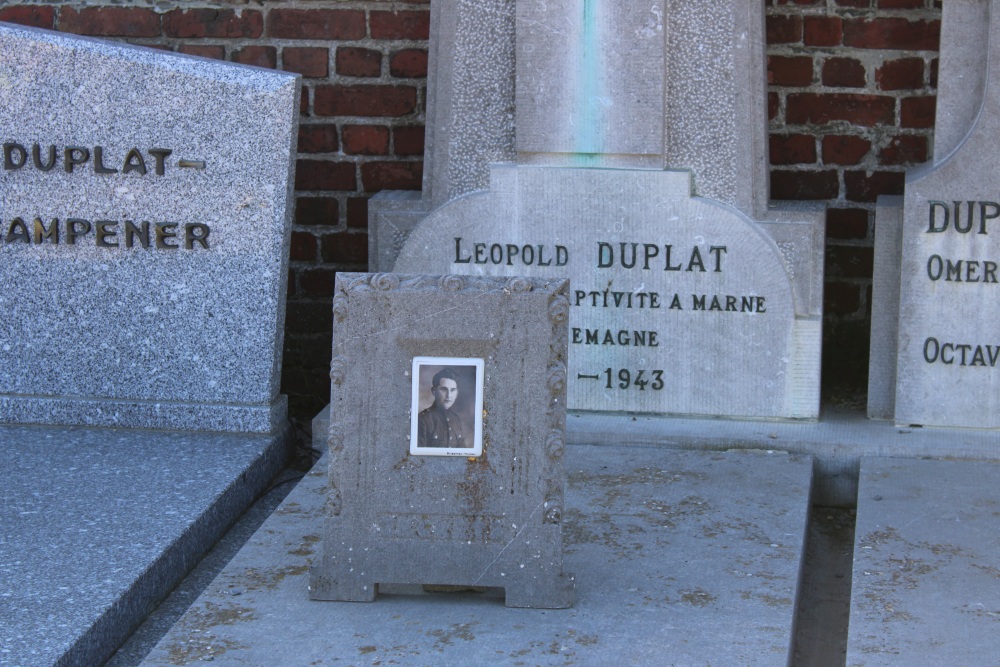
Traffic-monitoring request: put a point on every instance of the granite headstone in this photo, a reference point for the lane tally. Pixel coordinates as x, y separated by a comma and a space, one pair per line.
623, 147
145, 203
483, 505
935, 349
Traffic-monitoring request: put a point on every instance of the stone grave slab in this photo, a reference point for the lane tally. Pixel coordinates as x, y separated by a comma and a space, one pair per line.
646, 184
96, 525
144, 224
680, 557
926, 580
144, 227
938, 250
467, 488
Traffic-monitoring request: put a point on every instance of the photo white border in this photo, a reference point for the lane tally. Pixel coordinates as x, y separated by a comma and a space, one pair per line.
480, 366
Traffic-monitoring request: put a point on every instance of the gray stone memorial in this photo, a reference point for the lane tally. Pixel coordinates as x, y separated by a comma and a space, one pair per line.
935, 349
145, 203
144, 226
440, 514
624, 148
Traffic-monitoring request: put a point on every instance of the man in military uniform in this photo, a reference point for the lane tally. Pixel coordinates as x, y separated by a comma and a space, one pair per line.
439, 425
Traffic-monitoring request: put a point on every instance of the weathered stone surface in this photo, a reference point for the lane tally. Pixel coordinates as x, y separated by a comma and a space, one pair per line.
572, 145
652, 87
926, 580
396, 517
601, 68
95, 328
885, 309
98, 525
673, 552
948, 272
687, 292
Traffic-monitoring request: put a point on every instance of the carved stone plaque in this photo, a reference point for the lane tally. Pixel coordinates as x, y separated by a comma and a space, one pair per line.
470, 368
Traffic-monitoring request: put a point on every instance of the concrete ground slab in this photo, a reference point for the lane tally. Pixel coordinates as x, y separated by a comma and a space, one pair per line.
926, 586
680, 558
98, 525
836, 442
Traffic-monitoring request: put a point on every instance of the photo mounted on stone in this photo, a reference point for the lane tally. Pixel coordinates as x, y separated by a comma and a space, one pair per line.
446, 407
416, 353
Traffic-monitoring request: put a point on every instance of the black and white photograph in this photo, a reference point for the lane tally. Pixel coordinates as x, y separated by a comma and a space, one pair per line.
446, 412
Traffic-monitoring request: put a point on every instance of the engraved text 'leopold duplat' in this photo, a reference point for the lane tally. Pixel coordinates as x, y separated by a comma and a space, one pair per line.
610, 262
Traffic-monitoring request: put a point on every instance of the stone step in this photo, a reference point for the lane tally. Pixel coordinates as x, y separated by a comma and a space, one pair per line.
679, 557
98, 525
926, 586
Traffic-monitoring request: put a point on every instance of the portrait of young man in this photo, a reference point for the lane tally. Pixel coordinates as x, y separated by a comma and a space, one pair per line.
445, 419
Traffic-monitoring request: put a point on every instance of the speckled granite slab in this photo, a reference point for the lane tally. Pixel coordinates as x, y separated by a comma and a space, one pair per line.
144, 227
97, 525
680, 558
926, 586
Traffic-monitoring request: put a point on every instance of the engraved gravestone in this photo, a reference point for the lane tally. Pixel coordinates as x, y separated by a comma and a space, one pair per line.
144, 226
622, 146
935, 349
447, 431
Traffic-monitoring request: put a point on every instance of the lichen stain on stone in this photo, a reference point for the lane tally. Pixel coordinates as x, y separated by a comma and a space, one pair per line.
885, 607
553, 647
871, 649
940, 549
290, 507
768, 599
584, 640
217, 614
576, 531
254, 579
644, 475
988, 569
667, 515
203, 645
305, 549
457, 631
979, 611
698, 597
201, 649
877, 537
475, 490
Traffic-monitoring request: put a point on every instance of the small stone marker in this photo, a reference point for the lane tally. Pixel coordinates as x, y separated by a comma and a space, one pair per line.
144, 226
481, 506
635, 164
935, 357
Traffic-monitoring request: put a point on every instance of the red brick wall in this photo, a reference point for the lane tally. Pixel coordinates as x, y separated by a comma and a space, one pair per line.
851, 97
852, 93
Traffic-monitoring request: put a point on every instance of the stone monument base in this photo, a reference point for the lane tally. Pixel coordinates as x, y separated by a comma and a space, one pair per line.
98, 525
837, 442
673, 552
